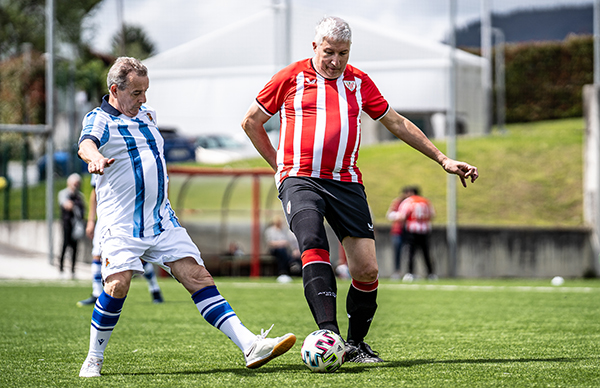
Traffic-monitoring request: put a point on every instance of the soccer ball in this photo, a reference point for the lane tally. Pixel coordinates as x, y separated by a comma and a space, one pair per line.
323, 351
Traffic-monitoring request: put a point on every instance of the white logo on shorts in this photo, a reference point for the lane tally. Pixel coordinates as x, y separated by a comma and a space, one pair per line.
370, 226
289, 207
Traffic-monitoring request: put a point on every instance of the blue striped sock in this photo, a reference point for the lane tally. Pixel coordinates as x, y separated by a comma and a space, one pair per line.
216, 311
104, 319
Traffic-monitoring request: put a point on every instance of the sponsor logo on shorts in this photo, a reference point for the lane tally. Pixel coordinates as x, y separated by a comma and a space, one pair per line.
370, 226
288, 207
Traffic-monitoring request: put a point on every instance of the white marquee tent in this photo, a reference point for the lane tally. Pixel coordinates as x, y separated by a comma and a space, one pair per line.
206, 85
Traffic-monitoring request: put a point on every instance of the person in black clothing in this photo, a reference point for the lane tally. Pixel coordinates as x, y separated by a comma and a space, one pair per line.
71, 203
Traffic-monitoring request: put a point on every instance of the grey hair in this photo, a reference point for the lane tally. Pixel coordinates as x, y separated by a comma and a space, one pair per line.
120, 70
74, 178
334, 28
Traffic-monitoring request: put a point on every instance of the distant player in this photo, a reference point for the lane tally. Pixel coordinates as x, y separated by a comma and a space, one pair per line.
320, 102
121, 142
416, 213
90, 231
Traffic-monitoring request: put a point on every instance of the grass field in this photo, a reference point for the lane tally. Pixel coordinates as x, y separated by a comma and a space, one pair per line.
475, 333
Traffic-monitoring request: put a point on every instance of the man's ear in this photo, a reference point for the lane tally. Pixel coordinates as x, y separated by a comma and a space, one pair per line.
113, 90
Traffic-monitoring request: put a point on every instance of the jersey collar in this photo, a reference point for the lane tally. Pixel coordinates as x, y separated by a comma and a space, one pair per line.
328, 79
111, 110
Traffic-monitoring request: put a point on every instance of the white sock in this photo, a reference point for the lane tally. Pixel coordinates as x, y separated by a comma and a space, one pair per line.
150, 276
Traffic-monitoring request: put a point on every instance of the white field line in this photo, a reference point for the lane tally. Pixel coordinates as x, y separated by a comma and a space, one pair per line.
440, 287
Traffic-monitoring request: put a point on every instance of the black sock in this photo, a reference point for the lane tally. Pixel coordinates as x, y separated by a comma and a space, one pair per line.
361, 308
320, 290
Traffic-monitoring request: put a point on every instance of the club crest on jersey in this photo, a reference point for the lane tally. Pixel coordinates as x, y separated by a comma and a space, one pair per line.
350, 85
150, 117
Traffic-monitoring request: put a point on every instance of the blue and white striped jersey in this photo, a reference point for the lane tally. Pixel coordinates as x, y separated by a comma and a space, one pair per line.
132, 193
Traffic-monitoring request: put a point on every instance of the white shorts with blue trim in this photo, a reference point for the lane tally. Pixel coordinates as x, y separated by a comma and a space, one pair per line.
123, 253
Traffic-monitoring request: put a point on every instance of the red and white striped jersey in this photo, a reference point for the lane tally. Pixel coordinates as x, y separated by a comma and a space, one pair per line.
418, 212
320, 120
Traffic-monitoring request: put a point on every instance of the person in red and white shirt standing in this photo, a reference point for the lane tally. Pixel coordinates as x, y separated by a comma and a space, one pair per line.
320, 101
396, 232
416, 213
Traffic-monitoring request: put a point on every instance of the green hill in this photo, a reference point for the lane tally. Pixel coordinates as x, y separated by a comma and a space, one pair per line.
530, 175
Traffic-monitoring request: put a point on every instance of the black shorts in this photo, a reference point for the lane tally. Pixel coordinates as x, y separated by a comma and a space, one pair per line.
343, 204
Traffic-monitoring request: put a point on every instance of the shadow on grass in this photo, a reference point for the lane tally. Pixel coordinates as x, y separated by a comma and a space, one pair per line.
350, 368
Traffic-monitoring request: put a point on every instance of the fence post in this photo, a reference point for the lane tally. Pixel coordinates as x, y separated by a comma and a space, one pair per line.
25, 188
255, 260
4, 157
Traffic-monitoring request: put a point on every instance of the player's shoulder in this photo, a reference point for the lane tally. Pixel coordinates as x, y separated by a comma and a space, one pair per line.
292, 70
355, 72
418, 198
146, 108
409, 201
301, 65
148, 112
96, 116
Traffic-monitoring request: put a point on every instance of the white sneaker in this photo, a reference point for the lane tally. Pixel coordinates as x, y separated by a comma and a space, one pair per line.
408, 278
284, 279
342, 271
265, 349
91, 367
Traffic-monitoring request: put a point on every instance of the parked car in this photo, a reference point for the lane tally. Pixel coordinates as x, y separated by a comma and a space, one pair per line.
220, 149
178, 148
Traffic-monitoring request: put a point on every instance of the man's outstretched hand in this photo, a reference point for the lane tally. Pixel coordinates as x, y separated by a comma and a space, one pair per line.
463, 170
97, 166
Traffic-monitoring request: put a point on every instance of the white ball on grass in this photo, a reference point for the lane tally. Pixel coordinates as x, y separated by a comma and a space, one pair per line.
323, 351
557, 281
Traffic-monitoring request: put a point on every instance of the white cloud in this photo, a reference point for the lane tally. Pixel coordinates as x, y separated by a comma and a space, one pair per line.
174, 22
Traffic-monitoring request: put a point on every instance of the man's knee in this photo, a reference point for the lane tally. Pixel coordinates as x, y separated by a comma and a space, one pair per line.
362, 259
190, 274
368, 274
117, 285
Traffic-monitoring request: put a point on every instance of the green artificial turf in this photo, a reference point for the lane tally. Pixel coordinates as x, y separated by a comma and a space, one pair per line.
451, 333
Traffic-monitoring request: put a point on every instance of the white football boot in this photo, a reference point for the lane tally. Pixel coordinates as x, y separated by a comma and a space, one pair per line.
265, 349
91, 367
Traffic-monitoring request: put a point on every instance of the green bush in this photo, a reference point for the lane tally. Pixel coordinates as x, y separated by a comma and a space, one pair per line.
544, 80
